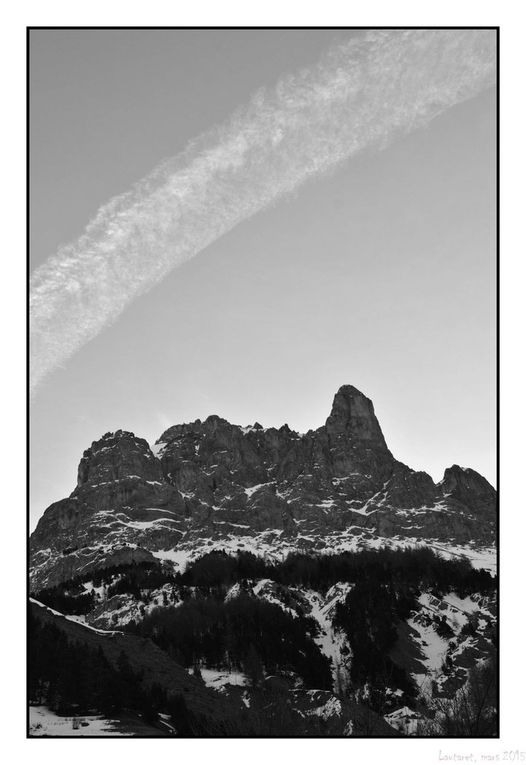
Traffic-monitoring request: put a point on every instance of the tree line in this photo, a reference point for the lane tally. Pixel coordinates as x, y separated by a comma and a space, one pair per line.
244, 633
419, 565
71, 596
69, 677
217, 571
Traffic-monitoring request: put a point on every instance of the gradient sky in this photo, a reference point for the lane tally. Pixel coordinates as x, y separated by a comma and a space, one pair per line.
381, 275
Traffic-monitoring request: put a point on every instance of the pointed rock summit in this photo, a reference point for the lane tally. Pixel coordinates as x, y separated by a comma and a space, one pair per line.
353, 415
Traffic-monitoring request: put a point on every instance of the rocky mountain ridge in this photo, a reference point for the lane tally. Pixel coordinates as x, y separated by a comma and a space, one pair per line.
211, 484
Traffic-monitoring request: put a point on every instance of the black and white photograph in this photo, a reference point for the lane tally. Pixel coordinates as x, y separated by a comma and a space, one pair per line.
263, 382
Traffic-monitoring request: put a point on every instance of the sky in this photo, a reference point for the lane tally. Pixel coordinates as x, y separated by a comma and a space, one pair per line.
380, 274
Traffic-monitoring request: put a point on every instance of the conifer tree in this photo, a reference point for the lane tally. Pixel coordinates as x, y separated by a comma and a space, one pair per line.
254, 667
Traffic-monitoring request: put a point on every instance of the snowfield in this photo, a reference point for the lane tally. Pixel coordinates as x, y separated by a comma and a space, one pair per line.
272, 545
332, 707
330, 641
44, 722
219, 678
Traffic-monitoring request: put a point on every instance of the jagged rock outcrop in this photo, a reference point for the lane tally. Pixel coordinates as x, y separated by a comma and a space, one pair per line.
116, 456
470, 488
211, 480
121, 471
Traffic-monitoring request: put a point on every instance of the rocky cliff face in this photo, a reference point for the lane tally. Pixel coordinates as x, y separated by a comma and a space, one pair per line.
216, 484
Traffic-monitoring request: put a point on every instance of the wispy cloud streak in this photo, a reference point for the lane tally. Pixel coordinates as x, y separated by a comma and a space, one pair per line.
363, 93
